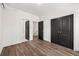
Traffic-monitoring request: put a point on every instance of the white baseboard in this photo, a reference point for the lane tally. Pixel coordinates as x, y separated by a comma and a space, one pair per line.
9, 44
5, 45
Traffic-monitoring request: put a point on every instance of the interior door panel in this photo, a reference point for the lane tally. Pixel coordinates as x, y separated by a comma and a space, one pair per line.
62, 31
40, 30
27, 30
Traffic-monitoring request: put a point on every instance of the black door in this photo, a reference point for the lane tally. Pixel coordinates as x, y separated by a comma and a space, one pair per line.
27, 30
62, 31
56, 30
67, 31
72, 32
40, 30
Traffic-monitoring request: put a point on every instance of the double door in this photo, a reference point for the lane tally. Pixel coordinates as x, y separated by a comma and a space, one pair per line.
62, 31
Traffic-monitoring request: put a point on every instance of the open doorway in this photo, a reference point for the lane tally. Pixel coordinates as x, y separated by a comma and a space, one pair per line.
35, 30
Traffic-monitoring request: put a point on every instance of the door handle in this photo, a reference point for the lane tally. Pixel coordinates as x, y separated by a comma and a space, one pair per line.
59, 32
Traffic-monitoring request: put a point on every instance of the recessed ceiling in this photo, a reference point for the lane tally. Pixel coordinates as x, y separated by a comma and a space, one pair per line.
40, 9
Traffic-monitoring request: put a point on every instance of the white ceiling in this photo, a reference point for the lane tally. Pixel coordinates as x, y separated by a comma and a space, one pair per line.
40, 9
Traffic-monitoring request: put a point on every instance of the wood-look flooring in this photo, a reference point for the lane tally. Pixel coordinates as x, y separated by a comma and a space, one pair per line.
37, 47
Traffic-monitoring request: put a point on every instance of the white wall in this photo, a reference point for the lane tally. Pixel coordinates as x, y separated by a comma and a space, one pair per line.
47, 35
76, 31
31, 30
13, 26
0, 30
58, 13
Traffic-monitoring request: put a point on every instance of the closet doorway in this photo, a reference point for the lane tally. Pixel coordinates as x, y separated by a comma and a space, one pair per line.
35, 30
62, 31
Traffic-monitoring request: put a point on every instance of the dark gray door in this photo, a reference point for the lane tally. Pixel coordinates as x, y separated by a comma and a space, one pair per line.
67, 31
27, 30
56, 30
40, 30
62, 31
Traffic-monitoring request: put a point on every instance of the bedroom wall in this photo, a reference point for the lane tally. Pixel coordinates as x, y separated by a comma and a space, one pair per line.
76, 31
13, 26
0, 29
